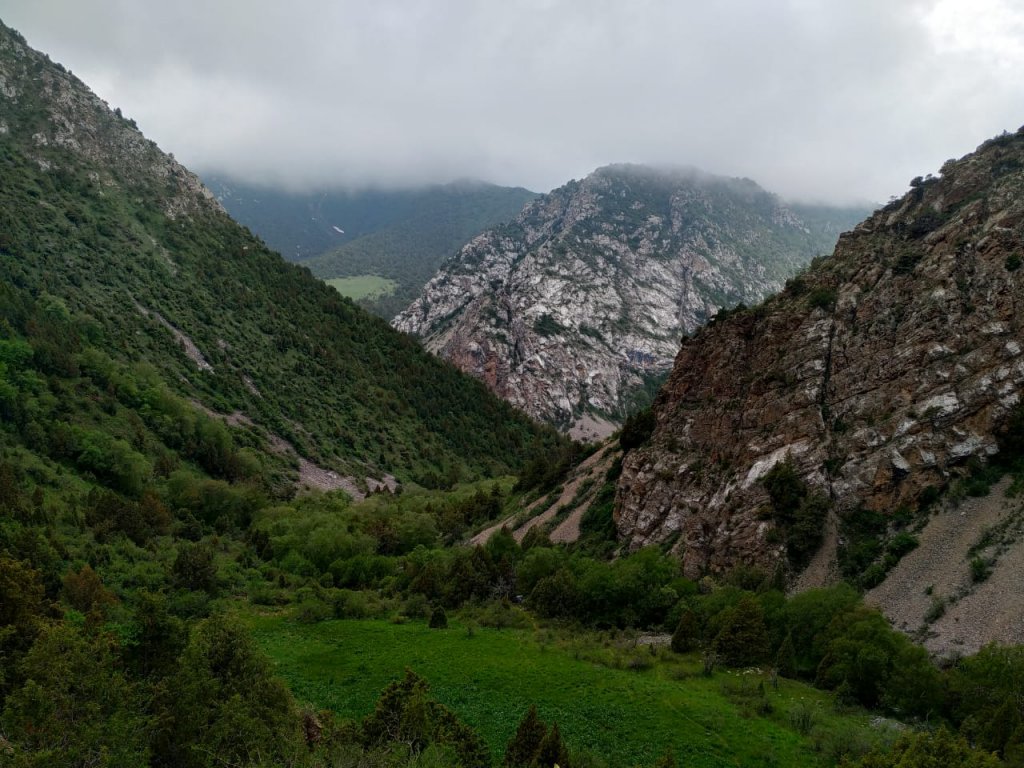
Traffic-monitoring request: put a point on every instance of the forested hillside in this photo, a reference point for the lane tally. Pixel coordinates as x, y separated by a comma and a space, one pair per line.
96, 221
399, 235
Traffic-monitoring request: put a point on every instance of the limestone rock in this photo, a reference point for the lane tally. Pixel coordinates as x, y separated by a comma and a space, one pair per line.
879, 372
581, 301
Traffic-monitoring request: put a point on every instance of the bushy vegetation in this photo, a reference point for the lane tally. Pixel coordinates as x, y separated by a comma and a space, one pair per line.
797, 510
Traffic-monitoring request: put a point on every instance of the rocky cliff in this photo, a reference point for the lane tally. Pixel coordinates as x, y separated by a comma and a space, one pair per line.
64, 115
874, 379
581, 300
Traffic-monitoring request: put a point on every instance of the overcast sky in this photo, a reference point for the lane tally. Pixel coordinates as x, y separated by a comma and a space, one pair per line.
815, 99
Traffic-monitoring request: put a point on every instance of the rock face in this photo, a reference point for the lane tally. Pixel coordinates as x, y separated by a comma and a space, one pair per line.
70, 116
582, 299
878, 373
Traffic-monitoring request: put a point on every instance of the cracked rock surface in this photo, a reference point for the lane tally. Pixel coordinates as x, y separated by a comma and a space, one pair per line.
880, 372
580, 301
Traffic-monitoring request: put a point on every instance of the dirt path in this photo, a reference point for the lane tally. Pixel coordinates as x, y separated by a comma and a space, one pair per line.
485, 535
583, 472
568, 530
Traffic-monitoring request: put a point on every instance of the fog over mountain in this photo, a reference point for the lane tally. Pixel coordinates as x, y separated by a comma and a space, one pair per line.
818, 100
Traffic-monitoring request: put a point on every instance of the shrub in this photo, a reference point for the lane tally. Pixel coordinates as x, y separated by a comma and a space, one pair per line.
981, 569
822, 298
439, 619
687, 633
637, 430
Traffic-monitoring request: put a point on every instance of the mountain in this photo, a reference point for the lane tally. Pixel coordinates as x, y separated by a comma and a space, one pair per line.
112, 250
402, 236
820, 427
576, 307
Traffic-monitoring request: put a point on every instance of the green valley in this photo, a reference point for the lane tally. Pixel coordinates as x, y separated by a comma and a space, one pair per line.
615, 698
363, 286
245, 523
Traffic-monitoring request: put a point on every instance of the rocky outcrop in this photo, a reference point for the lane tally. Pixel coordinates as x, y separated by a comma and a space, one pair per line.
582, 299
879, 373
55, 108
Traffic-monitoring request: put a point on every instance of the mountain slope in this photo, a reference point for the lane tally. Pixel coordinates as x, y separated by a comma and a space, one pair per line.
815, 425
573, 307
98, 223
402, 235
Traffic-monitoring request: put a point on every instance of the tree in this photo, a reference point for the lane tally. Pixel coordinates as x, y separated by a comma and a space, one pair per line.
743, 638
929, 750
195, 568
687, 634
76, 707
636, 431
405, 715
785, 659
438, 619
85, 592
525, 743
552, 751
23, 610
224, 701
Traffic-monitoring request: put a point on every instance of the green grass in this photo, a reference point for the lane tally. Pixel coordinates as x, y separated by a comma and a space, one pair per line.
363, 286
627, 717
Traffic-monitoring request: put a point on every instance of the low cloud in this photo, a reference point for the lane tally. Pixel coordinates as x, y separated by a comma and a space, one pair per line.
812, 98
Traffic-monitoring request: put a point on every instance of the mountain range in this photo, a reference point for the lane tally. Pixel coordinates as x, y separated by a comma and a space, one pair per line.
399, 236
574, 310
122, 243
224, 486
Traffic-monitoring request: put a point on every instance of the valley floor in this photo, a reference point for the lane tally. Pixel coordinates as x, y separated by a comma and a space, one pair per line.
610, 694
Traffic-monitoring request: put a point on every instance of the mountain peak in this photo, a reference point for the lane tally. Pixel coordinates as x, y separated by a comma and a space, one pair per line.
574, 309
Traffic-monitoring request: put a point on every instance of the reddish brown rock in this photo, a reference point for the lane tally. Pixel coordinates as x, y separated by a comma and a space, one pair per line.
880, 372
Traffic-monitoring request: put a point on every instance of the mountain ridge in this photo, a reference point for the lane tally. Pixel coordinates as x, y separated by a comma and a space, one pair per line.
814, 428
402, 235
578, 304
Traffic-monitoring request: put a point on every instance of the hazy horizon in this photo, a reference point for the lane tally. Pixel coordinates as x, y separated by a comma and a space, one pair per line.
818, 102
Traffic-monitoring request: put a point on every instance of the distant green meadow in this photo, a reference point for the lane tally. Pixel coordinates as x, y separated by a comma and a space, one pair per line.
622, 703
363, 286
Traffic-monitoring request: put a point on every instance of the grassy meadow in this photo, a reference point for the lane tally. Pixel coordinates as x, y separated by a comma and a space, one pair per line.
363, 286
610, 697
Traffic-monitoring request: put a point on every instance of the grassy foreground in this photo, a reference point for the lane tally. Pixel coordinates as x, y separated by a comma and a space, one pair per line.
624, 704
363, 286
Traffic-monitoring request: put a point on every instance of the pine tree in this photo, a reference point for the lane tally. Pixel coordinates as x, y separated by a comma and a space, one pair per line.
552, 751
525, 743
744, 637
785, 659
687, 634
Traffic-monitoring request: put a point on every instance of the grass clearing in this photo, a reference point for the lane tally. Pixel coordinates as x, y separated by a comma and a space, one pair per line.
363, 286
626, 704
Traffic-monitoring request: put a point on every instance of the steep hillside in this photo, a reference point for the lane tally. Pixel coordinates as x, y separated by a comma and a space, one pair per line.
126, 246
401, 235
814, 427
575, 308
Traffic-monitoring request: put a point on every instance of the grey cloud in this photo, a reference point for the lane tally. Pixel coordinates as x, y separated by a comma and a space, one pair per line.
818, 99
